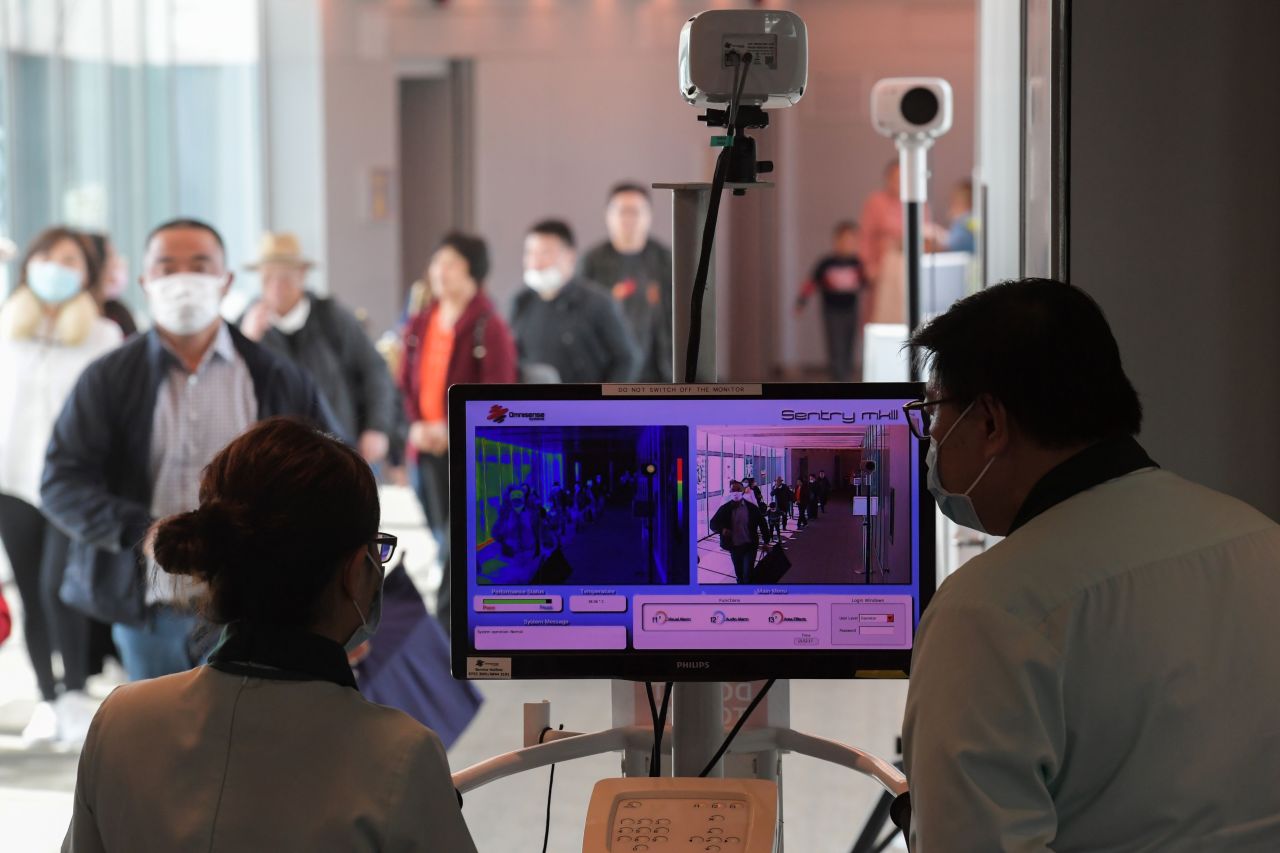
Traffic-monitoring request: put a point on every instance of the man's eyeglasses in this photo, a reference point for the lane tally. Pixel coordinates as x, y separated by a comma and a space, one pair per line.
384, 545
920, 415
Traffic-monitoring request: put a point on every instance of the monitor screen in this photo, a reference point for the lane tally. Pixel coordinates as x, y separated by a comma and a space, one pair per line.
595, 532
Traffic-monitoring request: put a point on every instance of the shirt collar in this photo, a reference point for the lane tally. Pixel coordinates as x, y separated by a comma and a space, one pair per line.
280, 654
1096, 464
296, 317
223, 347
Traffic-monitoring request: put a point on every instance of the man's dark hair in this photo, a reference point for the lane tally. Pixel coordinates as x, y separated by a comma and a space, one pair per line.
1044, 349
844, 225
175, 224
629, 187
554, 228
474, 251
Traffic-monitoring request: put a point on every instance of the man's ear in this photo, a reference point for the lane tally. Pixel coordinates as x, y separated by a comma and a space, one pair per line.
226, 288
997, 425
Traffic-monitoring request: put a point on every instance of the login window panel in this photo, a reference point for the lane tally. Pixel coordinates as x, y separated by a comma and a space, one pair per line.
608, 525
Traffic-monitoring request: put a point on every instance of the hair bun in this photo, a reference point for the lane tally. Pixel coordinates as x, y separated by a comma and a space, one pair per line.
199, 543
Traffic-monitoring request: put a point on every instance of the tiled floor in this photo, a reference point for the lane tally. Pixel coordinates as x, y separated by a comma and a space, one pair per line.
823, 805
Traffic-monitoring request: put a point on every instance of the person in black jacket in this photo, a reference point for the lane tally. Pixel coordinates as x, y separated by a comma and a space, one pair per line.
822, 491
139, 426
565, 323
741, 526
327, 341
635, 270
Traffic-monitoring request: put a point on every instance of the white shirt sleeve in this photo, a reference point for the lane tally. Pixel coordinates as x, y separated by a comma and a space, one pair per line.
984, 733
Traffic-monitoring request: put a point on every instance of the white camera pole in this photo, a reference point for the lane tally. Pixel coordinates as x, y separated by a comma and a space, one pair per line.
913, 182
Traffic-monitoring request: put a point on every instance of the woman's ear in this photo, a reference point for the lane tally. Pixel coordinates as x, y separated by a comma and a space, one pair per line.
355, 575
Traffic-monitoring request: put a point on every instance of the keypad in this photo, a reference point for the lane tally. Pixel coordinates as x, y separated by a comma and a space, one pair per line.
679, 825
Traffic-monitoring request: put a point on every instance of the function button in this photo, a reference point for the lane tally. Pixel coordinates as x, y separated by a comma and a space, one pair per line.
715, 830
626, 821
716, 818
711, 847
631, 804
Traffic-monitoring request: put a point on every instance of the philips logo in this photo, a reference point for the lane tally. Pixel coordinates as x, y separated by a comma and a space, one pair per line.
693, 664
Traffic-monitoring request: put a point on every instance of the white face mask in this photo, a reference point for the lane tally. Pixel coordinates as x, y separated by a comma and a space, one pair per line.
185, 303
544, 281
957, 507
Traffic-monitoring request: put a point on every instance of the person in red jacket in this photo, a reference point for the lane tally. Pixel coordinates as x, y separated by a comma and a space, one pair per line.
6, 621
458, 337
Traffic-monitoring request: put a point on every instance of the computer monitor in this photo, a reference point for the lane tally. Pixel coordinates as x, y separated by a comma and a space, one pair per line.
582, 540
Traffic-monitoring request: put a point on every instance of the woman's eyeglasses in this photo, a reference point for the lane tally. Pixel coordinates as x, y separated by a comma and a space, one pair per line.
384, 545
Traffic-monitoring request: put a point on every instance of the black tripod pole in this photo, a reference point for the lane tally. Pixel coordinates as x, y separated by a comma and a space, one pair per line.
913, 240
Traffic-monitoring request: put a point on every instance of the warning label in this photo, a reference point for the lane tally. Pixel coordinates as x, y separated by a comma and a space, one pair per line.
489, 668
762, 47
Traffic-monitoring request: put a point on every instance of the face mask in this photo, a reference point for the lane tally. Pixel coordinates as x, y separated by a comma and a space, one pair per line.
957, 507
185, 303
544, 281
735, 496
368, 627
52, 283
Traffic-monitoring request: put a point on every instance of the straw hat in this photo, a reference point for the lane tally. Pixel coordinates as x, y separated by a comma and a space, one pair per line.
282, 248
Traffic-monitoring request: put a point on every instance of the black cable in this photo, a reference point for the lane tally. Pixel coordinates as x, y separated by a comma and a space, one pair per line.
709, 227
655, 766
737, 727
551, 781
653, 715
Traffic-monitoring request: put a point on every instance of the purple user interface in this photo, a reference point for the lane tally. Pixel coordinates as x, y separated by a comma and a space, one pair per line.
612, 525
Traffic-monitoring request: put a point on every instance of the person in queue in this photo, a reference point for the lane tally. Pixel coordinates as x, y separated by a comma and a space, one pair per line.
269, 746
457, 337
565, 323
325, 339
1106, 677
50, 330
138, 427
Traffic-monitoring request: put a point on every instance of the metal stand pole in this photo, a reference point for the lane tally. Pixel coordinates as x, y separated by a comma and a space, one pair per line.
688, 213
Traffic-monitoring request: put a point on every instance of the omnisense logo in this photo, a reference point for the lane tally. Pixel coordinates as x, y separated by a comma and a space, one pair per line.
498, 414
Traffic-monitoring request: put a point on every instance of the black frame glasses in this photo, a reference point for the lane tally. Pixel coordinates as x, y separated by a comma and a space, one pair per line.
385, 547
920, 415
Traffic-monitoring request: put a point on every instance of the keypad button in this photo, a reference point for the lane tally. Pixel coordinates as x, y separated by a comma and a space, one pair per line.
732, 839
712, 848
715, 830
644, 820
641, 847
716, 818
661, 839
626, 821
624, 838
662, 821
696, 839
661, 830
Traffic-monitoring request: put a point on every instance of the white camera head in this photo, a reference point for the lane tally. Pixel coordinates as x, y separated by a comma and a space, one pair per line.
779, 46
911, 108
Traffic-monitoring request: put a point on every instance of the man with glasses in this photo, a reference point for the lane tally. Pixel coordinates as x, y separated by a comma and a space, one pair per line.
1107, 677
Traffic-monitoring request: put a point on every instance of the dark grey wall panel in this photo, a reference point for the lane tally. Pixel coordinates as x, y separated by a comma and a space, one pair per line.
1174, 188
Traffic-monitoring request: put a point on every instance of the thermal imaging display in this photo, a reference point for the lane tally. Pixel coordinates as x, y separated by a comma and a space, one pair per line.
606, 532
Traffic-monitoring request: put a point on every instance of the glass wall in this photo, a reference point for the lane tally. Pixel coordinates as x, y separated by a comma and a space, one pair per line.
118, 114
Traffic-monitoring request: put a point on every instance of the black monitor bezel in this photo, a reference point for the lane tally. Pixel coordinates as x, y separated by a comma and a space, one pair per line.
638, 665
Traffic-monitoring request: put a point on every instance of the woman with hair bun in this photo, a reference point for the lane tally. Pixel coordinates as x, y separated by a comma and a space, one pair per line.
269, 746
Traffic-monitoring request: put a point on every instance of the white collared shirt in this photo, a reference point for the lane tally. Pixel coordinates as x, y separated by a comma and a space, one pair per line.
196, 415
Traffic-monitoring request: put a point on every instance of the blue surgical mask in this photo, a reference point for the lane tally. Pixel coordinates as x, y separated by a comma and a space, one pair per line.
368, 627
52, 283
957, 507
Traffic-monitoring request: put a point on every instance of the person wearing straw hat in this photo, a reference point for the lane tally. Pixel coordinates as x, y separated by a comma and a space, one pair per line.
326, 340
